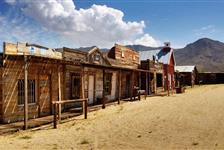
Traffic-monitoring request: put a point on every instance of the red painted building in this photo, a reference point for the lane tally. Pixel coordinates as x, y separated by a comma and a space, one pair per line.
166, 57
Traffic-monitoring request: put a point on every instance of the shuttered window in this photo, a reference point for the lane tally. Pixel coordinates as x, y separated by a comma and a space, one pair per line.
31, 92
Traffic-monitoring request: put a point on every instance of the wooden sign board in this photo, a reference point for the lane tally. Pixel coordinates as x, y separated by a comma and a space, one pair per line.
32, 50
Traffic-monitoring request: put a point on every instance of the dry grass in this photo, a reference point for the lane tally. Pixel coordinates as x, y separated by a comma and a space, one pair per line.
193, 120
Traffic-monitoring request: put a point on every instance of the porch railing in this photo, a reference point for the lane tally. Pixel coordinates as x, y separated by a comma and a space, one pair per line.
57, 104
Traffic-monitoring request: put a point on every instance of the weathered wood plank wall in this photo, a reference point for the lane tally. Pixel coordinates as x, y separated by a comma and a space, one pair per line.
46, 88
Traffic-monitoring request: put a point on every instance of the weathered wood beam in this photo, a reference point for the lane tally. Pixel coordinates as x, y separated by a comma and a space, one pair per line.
57, 103
55, 115
139, 80
132, 85
69, 101
119, 88
83, 83
147, 83
59, 94
86, 109
83, 90
167, 83
104, 103
26, 93
155, 82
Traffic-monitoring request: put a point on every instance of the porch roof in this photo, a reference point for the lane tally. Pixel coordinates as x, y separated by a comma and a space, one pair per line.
113, 67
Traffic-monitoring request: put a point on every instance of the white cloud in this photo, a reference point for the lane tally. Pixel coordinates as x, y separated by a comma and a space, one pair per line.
147, 40
11, 2
98, 25
20, 29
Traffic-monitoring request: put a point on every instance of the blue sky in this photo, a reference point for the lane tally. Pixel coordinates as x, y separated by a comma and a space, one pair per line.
139, 22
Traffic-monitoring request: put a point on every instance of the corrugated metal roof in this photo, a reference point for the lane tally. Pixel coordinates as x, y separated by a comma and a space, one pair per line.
184, 68
160, 55
144, 55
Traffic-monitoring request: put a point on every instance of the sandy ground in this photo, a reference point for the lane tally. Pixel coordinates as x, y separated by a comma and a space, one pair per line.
193, 120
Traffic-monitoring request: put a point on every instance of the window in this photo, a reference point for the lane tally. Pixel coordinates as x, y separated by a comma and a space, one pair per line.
31, 92
122, 54
76, 84
134, 58
97, 57
21, 92
32, 50
107, 83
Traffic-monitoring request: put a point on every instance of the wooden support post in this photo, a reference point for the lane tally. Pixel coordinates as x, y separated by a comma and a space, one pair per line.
86, 108
155, 82
119, 88
167, 80
59, 95
83, 90
139, 85
132, 85
26, 93
139, 80
145, 95
103, 101
168, 88
139, 96
163, 81
55, 116
147, 83
173, 83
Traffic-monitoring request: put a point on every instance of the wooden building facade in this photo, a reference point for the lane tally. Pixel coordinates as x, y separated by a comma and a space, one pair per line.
38, 67
33, 77
186, 75
211, 77
94, 68
127, 61
156, 75
163, 59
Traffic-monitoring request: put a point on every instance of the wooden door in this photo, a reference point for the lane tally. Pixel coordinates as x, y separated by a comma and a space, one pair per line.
91, 90
44, 95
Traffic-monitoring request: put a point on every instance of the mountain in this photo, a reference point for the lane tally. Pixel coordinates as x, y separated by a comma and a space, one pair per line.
206, 54
86, 49
135, 47
142, 47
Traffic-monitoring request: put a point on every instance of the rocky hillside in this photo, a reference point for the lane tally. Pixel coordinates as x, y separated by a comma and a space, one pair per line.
207, 54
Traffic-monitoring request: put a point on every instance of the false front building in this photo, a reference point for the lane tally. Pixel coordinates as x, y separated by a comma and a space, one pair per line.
164, 56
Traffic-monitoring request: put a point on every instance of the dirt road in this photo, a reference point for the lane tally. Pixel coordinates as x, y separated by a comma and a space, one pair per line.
193, 120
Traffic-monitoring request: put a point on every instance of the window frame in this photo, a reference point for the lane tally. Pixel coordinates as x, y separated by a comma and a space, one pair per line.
97, 57
21, 93
75, 76
108, 82
122, 53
